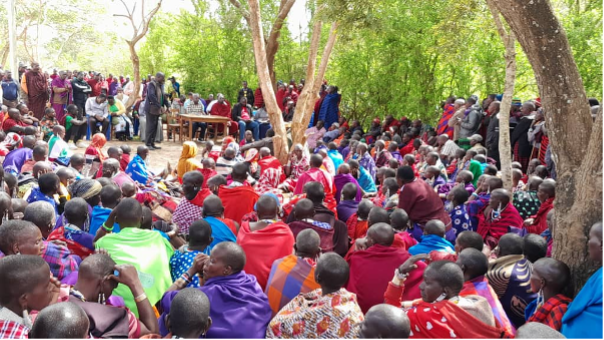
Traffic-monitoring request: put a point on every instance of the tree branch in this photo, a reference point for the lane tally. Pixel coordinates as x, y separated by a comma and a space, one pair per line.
500, 28
243, 11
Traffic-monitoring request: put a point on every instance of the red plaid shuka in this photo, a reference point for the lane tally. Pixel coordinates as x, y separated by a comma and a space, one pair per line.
12, 330
551, 312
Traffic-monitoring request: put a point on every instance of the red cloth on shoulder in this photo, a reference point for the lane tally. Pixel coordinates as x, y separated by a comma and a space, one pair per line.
403, 240
237, 201
540, 219
372, 269
446, 320
264, 246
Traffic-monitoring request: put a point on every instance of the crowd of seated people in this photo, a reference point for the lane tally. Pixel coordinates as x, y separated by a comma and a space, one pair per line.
391, 233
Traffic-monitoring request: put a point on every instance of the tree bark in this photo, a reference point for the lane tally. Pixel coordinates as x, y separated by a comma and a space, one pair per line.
280, 140
139, 31
308, 95
569, 124
505, 149
272, 43
302, 117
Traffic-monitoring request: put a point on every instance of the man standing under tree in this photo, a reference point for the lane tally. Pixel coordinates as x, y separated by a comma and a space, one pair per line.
37, 90
247, 93
156, 102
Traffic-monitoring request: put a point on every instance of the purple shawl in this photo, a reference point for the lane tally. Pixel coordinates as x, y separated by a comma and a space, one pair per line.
58, 82
346, 209
15, 159
238, 307
113, 88
342, 179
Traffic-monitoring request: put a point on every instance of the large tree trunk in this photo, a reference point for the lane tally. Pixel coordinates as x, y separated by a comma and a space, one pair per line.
310, 92
136, 75
569, 124
505, 149
275, 116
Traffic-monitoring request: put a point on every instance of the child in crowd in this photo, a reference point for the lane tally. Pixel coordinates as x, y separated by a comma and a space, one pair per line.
110, 197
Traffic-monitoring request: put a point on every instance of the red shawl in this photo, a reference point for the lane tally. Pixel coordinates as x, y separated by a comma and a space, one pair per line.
446, 320
237, 201
372, 269
201, 196
494, 229
263, 247
313, 175
407, 149
540, 219
356, 228
551, 312
229, 223
403, 240
258, 99
73, 246
207, 174
124, 160
270, 162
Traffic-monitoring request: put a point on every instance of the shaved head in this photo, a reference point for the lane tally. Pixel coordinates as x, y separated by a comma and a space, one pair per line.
435, 227
266, 207
385, 321
305, 208
308, 242
380, 233
212, 206
365, 207
556, 274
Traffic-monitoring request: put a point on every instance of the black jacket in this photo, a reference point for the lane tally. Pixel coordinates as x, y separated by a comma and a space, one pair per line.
236, 112
248, 93
520, 136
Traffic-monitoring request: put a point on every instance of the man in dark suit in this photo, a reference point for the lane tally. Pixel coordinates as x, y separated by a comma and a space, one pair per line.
156, 105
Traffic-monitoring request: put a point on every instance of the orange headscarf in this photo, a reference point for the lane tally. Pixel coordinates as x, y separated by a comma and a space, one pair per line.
98, 142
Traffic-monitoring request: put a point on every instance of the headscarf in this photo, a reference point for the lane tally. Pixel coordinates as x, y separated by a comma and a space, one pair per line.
85, 188
12, 139
187, 160
98, 142
251, 156
229, 142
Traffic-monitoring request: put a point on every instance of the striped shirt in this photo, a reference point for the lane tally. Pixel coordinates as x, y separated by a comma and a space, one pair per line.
195, 109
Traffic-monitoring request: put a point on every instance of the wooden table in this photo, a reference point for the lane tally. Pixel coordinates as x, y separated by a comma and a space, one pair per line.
203, 119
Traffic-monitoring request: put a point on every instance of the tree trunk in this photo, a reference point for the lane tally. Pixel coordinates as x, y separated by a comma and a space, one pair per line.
280, 140
569, 124
308, 95
505, 149
272, 44
136, 75
302, 117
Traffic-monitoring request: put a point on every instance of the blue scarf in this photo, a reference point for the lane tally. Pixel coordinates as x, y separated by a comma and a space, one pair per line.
137, 169
430, 243
220, 232
583, 318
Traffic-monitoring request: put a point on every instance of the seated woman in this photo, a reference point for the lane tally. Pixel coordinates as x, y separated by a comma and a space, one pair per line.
74, 232
187, 161
97, 278
442, 313
26, 285
329, 312
239, 307
94, 154
119, 119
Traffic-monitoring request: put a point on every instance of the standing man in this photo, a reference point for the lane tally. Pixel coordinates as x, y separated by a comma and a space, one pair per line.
156, 104
94, 85
174, 89
247, 93
10, 91
61, 94
81, 90
37, 90
492, 142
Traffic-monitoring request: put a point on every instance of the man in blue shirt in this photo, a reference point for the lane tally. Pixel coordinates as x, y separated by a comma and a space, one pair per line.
10, 91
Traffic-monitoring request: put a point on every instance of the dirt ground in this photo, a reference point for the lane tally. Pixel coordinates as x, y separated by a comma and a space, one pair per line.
158, 159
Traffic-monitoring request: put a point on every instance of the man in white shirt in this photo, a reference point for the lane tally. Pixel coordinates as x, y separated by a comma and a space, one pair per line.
447, 147
97, 113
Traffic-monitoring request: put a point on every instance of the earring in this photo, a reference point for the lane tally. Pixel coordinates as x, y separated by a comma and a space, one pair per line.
26, 320
102, 299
